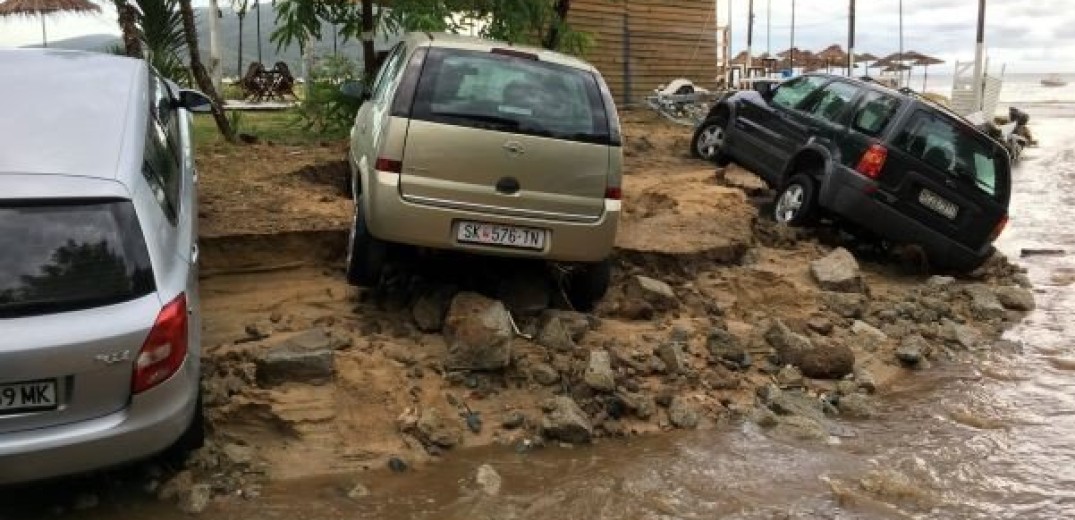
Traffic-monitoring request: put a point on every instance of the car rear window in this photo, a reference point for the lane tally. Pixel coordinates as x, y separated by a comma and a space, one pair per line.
510, 93
957, 151
874, 113
65, 256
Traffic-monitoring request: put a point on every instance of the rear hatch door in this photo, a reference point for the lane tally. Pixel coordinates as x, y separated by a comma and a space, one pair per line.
504, 132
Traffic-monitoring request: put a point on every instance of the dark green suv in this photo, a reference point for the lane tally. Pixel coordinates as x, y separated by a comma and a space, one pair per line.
897, 165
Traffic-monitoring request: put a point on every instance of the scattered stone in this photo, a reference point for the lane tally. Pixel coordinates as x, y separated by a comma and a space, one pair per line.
478, 332
857, 406
940, 281
846, 387
764, 417
724, 346
555, 335
196, 499
567, 422
675, 360
637, 310
513, 419
871, 338
238, 454
294, 362
682, 414
804, 428
913, 349
966, 336
847, 305
790, 347
664, 397
397, 464
838, 271
431, 307
656, 293
789, 376
473, 421
359, 491
984, 303
795, 402
524, 294
820, 324
488, 480
599, 374
576, 324
641, 405
437, 429
1015, 298
258, 330
865, 379
827, 362
544, 374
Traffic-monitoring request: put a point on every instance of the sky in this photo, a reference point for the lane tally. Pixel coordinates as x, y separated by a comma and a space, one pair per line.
1028, 36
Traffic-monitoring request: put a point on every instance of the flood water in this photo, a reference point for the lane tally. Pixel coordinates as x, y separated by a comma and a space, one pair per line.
995, 440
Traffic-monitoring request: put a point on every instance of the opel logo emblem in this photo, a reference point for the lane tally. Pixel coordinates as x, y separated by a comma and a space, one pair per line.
514, 148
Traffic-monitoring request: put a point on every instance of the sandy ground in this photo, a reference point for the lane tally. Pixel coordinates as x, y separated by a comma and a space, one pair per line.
685, 224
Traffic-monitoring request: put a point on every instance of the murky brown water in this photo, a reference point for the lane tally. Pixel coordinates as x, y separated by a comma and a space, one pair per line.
994, 441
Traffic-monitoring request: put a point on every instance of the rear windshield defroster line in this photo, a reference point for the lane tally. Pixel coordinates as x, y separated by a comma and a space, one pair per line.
68, 255
509, 94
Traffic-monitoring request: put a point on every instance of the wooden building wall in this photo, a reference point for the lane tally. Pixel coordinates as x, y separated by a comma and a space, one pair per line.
640, 44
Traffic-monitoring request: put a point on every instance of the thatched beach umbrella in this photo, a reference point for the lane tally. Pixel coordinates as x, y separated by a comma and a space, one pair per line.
832, 54
43, 8
865, 59
925, 61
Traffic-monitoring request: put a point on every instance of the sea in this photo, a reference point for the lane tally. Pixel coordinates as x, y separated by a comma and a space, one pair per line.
1023, 91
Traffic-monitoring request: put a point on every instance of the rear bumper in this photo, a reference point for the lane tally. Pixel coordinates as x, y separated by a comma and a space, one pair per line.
394, 219
856, 199
151, 423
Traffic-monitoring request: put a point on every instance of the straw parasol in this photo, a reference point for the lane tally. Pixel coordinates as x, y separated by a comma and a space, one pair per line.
924, 61
43, 8
832, 54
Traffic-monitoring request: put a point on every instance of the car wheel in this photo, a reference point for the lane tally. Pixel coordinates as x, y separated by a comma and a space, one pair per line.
709, 139
365, 254
191, 439
588, 283
796, 205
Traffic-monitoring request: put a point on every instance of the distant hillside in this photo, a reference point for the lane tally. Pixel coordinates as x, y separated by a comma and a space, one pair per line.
229, 41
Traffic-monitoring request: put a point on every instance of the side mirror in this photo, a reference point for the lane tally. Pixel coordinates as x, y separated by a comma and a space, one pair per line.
355, 89
195, 101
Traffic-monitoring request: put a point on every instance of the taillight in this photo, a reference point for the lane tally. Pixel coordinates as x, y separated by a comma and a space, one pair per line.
165, 349
999, 228
388, 165
872, 161
614, 193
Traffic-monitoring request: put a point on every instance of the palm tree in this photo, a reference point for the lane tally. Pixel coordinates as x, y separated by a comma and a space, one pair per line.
201, 77
240, 7
128, 24
161, 28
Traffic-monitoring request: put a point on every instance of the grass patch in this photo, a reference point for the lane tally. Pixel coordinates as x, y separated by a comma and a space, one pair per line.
277, 126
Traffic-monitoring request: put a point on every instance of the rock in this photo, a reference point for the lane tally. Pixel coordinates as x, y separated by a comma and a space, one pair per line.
635, 310
439, 430
838, 271
513, 419
599, 374
357, 492
984, 303
795, 402
488, 480
524, 294
764, 417
295, 362
790, 347
820, 324
478, 332
85, 501
258, 330
827, 362
865, 379
431, 307
680, 334
397, 464
196, 499
799, 427
870, 337
555, 335
938, 281
722, 345
847, 305
857, 406
576, 324
789, 376
656, 293
682, 414
567, 422
238, 454
966, 336
675, 360
846, 387
913, 349
642, 406
544, 374
1015, 298
664, 397
721, 378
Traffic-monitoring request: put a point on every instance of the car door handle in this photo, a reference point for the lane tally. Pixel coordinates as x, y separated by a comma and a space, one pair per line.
194, 253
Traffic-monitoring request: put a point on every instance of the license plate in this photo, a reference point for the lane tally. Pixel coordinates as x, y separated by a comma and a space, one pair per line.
939, 204
498, 235
28, 396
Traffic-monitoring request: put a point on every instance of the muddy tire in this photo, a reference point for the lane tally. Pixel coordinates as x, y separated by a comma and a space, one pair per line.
365, 253
796, 204
587, 284
709, 139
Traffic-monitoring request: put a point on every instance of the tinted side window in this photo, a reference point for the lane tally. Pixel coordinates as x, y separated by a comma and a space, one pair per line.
392, 65
63, 256
874, 113
834, 97
956, 151
161, 160
790, 94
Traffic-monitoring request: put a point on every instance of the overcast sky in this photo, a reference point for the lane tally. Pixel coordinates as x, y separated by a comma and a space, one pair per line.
1029, 36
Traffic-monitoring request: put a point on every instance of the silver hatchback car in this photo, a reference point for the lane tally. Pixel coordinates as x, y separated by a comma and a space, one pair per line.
99, 323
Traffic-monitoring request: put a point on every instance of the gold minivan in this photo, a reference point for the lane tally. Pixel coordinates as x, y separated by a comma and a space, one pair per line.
487, 148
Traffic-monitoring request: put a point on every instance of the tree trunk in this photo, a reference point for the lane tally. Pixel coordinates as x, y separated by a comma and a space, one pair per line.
369, 53
128, 24
552, 37
200, 75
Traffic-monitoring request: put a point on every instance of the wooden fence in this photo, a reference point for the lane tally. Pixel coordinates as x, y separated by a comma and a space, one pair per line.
640, 44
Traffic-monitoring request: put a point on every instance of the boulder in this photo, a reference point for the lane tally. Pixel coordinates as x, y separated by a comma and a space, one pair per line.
790, 347
478, 332
430, 308
857, 406
966, 336
675, 360
913, 349
869, 336
847, 305
795, 402
599, 374
555, 335
789, 376
723, 346
820, 324
1015, 298
641, 405
576, 324
488, 480
838, 271
656, 293
682, 414
437, 428
984, 303
296, 362
544, 374
565, 421
827, 361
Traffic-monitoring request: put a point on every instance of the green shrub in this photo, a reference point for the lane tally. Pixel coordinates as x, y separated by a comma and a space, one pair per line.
325, 109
